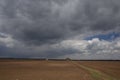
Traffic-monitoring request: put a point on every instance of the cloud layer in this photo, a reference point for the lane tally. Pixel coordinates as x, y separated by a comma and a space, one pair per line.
56, 28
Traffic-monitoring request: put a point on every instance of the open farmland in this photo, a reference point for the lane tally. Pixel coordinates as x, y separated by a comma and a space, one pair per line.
59, 70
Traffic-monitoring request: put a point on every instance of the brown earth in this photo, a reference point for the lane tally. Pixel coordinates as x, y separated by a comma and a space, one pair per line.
53, 70
111, 68
41, 70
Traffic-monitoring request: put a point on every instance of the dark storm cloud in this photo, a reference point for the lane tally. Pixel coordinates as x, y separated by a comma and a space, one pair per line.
32, 27
48, 21
99, 15
31, 21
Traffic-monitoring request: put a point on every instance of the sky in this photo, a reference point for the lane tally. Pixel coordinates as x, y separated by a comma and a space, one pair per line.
76, 29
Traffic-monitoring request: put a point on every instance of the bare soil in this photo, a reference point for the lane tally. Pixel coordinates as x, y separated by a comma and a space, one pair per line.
111, 68
54, 70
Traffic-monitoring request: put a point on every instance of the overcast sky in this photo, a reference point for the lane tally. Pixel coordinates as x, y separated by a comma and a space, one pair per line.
78, 29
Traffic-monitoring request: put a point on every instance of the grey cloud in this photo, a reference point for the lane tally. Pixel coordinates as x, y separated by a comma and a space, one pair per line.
34, 24
31, 21
75, 49
92, 49
99, 15
47, 21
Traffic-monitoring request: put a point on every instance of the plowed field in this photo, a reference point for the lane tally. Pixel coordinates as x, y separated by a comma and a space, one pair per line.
59, 70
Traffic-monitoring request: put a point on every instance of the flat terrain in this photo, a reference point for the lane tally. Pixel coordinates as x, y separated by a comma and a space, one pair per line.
59, 70
110, 68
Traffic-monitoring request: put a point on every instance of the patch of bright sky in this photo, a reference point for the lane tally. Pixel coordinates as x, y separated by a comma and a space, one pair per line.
108, 37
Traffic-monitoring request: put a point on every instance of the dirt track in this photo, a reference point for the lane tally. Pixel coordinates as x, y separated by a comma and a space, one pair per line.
43, 70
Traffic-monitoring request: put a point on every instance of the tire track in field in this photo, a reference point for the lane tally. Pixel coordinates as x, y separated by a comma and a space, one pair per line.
83, 73
96, 74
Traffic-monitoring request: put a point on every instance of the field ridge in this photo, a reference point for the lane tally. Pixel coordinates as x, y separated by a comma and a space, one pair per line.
96, 74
